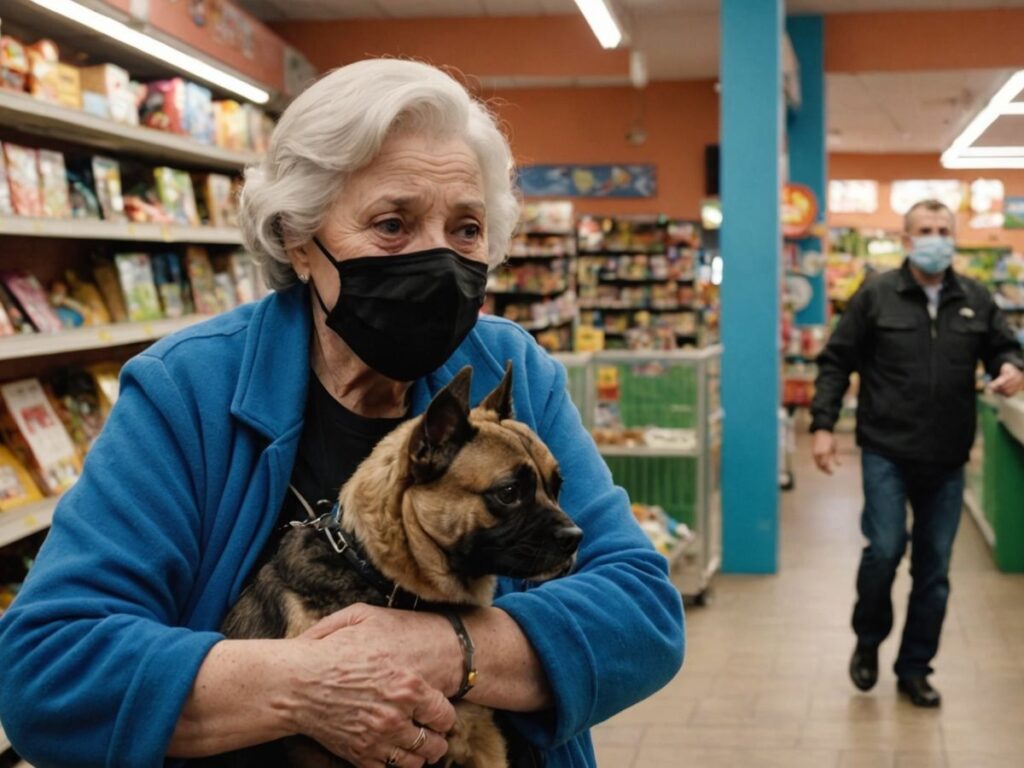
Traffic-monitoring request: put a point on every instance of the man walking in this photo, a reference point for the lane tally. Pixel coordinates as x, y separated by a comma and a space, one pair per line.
915, 336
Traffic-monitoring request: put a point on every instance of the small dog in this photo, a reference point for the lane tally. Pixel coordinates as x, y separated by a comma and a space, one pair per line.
443, 505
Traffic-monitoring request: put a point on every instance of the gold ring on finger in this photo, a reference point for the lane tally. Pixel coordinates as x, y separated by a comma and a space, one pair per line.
392, 761
420, 738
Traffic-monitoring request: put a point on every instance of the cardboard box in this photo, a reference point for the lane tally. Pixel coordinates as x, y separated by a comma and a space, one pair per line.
163, 107
105, 79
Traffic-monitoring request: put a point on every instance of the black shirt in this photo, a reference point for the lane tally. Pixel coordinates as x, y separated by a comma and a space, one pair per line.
334, 442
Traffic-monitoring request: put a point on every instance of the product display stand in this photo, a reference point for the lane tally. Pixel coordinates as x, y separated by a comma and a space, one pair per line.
657, 418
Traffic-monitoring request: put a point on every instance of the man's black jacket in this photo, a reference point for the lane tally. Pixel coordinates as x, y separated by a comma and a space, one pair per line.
917, 376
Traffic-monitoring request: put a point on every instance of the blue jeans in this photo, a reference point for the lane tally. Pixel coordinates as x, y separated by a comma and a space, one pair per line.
935, 493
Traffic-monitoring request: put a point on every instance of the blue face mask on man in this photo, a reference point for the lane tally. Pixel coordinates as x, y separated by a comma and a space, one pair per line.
932, 254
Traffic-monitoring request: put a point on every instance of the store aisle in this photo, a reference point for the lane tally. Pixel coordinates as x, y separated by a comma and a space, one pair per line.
765, 683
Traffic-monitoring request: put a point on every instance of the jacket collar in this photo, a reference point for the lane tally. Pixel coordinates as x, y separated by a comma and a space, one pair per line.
951, 285
270, 396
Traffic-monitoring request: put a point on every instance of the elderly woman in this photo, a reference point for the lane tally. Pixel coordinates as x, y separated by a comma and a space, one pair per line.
384, 196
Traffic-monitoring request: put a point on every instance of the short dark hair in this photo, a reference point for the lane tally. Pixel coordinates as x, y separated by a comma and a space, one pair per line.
929, 205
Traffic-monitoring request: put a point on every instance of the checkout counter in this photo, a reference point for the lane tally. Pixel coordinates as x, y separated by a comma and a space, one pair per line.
995, 489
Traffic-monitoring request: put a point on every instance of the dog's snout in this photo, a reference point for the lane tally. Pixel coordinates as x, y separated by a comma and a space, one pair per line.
568, 537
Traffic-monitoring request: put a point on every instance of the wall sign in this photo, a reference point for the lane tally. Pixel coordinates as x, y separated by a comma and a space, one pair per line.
905, 193
799, 209
1013, 213
852, 196
588, 180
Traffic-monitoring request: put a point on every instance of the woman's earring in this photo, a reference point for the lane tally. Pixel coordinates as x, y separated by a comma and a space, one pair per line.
304, 278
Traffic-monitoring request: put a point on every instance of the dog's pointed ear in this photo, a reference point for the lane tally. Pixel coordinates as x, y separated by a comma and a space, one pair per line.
443, 429
500, 398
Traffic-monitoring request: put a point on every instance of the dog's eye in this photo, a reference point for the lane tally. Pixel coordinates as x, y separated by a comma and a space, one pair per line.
556, 485
508, 494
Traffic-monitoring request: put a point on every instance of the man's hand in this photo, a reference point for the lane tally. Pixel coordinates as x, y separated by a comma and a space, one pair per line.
825, 455
1009, 382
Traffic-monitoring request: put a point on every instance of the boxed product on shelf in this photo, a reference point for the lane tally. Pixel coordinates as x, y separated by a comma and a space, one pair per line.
16, 484
77, 403
104, 79
106, 177
81, 195
15, 317
13, 64
32, 299
198, 113
6, 326
23, 179
6, 207
245, 275
106, 277
53, 184
69, 86
108, 385
163, 106
217, 198
170, 285
136, 277
76, 296
43, 71
106, 92
231, 125
256, 128
32, 430
201, 279
551, 216
174, 188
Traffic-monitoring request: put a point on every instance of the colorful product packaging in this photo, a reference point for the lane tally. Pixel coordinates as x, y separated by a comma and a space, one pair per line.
13, 64
53, 184
163, 107
23, 179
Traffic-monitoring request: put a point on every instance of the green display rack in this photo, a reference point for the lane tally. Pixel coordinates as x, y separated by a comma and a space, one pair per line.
999, 507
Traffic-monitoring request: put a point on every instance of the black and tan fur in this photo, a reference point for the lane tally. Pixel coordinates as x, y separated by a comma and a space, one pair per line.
443, 505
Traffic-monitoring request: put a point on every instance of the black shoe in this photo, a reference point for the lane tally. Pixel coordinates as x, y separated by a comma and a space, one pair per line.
920, 691
864, 667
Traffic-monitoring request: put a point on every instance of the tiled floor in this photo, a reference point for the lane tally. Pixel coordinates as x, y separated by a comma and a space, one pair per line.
765, 683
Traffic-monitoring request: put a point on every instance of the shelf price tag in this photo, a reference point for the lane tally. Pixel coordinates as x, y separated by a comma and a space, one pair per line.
30, 521
105, 336
148, 329
165, 233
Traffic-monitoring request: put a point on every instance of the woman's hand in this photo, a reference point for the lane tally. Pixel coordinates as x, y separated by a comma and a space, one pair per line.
361, 688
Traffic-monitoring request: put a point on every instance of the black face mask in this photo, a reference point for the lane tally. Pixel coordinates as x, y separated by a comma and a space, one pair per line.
404, 315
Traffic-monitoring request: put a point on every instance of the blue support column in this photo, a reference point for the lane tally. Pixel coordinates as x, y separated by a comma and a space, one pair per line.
751, 132
806, 130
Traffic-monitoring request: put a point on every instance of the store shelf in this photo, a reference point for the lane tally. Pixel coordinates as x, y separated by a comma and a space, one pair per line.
32, 115
608, 278
623, 252
90, 229
17, 523
538, 255
636, 308
92, 337
519, 292
547, 233
646, 451
540, 325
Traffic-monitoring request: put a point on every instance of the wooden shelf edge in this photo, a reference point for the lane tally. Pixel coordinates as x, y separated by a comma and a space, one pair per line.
27, 345
17, 523
91, 229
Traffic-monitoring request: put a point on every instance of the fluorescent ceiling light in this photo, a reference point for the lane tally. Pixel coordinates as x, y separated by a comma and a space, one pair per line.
157, 49
960, 154
602, 22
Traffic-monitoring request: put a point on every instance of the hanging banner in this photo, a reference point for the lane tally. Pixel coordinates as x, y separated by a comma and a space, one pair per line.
588, 180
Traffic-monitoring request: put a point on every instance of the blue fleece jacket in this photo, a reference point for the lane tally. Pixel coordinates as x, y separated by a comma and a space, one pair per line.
180, 492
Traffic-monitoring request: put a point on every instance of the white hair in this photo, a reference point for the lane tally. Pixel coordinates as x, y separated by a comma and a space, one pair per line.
337, 126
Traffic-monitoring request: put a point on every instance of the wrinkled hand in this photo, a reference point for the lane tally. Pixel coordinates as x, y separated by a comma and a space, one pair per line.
825, 454
1009, 382
360, 693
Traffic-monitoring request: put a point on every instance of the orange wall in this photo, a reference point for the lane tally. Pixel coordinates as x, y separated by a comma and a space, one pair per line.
886, 168
549, 46
923, 40
588, 125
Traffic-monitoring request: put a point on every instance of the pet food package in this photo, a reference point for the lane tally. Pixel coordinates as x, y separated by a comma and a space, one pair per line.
69, 86
105, 79
110, 287
37, 437
6, 326
88, 295
13, 64
43, 74
174, 188
198, 113
106, 92
16, 484
219, 196
224, 288
246, 276
6, 208
200, 277
53, 184
163, 107
136, 278
169, 281
32, 299
23, 179
106, 174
